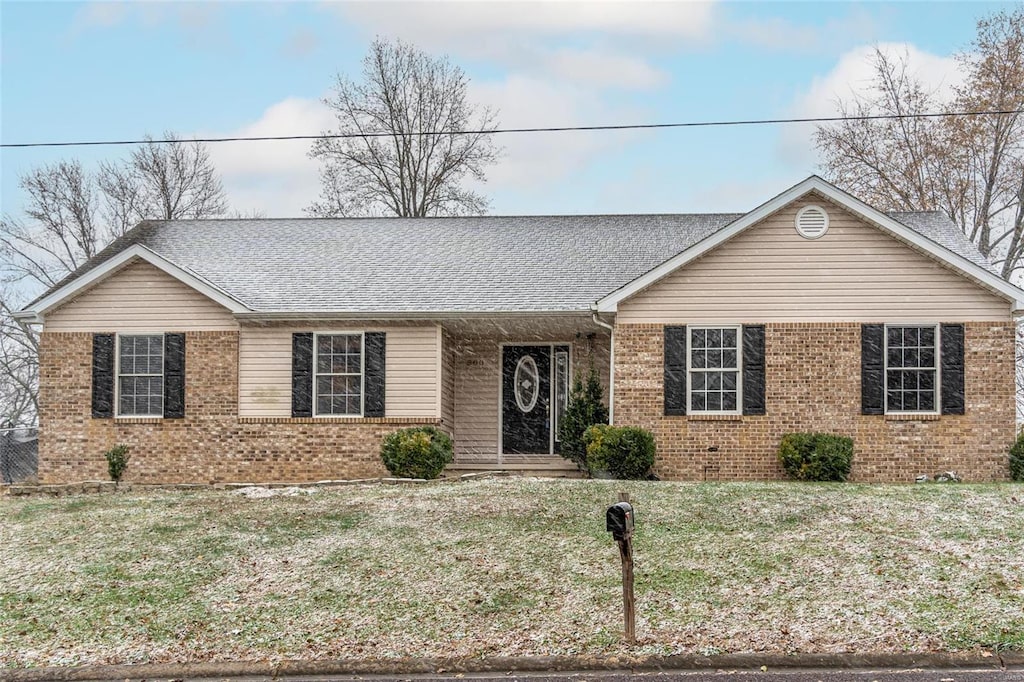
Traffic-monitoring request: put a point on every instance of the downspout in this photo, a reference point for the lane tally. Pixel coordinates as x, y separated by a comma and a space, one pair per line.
611, 366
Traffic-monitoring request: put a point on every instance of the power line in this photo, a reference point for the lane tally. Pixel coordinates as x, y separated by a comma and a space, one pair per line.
503, 131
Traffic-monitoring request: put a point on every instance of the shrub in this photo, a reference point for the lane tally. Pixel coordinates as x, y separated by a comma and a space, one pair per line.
623, 451
584, 409
1017, 459
816, 456
117, 461
419, 452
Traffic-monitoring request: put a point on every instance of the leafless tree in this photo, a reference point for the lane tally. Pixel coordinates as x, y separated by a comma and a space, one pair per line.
70, 215
970, 167
437, 139
161, 182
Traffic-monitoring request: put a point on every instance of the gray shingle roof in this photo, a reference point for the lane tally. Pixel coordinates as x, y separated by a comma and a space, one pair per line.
480, 264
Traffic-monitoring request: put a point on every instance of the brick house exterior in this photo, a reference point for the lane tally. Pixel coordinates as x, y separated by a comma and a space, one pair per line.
719, 333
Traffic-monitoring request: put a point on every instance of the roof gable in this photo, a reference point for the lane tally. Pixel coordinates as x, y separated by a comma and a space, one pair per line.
942, 253
73, 287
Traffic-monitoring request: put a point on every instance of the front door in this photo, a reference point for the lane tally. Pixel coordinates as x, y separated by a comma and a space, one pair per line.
530, 385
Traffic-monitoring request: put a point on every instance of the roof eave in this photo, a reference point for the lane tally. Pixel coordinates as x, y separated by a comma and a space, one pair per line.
280, 315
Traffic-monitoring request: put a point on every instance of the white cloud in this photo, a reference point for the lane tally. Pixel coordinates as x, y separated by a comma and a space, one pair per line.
469, 24
851, 77
602, 69
539, 159
276, 178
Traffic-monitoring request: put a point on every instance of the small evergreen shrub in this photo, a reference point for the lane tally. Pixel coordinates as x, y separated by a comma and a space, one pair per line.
1017, 459
117, 461
816, 456
625, 452
584, 409
419, 452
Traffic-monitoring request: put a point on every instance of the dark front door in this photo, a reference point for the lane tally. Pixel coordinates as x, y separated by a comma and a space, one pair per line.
526, 400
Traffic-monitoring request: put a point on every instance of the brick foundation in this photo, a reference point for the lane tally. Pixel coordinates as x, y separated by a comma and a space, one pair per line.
813, 384
211, 444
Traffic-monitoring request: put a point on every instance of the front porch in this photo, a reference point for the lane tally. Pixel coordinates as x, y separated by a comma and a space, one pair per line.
504, 386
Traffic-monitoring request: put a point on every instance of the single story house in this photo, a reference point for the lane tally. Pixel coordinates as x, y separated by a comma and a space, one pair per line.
284, 350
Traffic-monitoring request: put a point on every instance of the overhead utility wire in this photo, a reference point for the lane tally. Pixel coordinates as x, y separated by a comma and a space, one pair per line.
497, 131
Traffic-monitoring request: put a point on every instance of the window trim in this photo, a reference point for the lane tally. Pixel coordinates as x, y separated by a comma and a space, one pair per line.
362, 374
117, 374
938, 368
739, 370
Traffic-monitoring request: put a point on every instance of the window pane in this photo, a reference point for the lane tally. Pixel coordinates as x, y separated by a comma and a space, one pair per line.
927, 400
729, 358
699, 381
699, 360
729, 338
714, 338
927, 336
714, 381
698, 338
894, 336
729, 381
697, 401
927, 357
729, 400
911, 358
714, 402
895, 357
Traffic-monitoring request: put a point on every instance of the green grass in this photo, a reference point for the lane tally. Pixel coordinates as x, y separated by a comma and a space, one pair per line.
509, 567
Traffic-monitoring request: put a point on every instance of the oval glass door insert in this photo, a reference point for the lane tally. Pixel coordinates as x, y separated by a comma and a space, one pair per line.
526, 383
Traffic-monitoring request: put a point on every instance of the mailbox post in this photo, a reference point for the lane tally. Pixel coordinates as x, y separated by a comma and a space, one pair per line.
619, 522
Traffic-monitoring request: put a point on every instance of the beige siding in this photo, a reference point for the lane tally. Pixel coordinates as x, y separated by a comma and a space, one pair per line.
411, 369
142, 298
854, 273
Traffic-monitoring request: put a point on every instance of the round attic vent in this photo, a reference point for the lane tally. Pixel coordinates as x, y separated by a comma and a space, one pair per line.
811, 222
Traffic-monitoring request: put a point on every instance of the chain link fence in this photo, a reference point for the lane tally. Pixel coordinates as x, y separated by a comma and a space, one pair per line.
19, 455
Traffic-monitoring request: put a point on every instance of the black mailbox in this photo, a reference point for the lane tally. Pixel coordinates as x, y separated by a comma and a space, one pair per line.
620, 520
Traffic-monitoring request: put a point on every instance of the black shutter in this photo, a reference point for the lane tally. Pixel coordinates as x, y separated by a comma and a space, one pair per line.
374, 346
102, 376
952, 340
753, 369
872, 369
174, 376
675, 371
302, 374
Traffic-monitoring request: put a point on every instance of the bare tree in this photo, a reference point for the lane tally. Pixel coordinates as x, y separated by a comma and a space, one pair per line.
437, 139
69, 217
970, 167
161, 182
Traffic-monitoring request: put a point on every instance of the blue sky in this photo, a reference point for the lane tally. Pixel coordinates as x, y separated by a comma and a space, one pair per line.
93, 71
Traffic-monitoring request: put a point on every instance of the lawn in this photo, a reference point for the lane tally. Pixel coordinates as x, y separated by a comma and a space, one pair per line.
509, 567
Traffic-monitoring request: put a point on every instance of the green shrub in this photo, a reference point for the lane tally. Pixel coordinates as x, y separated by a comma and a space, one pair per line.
419, 452
816, 456
117, 461
584, 409
625, 452
1017, 459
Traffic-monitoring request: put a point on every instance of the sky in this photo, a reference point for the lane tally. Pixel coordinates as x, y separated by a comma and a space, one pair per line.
78, 71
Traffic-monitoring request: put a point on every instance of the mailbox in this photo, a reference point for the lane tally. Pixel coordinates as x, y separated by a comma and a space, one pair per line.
619, 520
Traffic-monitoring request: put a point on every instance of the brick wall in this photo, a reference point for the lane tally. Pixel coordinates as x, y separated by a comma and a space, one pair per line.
211, 444
813, 384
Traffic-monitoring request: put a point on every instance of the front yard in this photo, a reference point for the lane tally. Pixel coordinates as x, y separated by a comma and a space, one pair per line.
509, 567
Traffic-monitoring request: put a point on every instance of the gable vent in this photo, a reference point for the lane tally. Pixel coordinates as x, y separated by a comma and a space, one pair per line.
811, 222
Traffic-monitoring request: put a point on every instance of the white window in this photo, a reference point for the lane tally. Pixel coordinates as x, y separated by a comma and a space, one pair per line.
140, 375
713, 359
911, 368
338, 384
